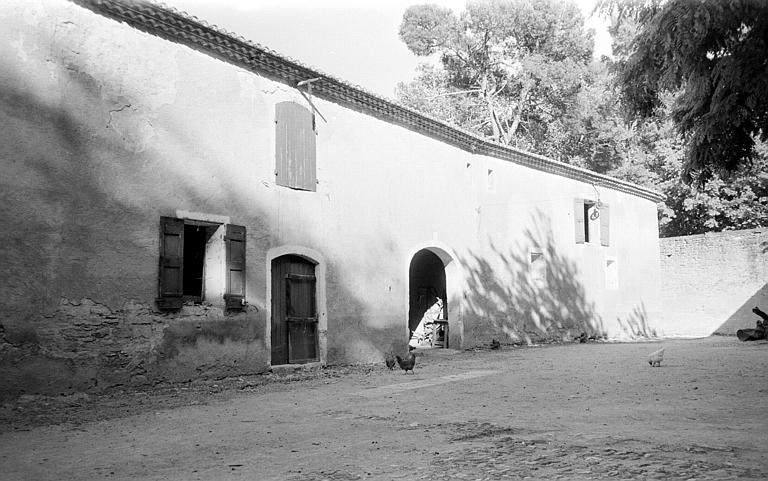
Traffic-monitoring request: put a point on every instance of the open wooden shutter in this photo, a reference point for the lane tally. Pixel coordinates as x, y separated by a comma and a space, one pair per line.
171, 287
578, 215
235, 245
295, 160
605, 219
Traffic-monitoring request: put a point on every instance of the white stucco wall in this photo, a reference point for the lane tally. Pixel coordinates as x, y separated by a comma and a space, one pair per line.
106, 128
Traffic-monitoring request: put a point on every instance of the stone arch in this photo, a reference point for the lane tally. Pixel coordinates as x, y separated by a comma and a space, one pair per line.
437, 252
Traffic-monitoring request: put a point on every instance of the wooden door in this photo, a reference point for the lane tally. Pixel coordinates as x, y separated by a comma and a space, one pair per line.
294, 311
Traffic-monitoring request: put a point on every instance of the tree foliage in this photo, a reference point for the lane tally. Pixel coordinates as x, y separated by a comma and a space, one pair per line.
520, 73
714, 54
517, 65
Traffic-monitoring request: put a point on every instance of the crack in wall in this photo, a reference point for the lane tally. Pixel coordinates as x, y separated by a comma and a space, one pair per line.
112, 111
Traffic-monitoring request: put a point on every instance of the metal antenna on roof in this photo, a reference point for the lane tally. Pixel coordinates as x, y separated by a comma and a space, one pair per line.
308, 96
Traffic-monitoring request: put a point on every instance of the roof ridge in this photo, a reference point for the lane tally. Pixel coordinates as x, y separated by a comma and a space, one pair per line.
178, 26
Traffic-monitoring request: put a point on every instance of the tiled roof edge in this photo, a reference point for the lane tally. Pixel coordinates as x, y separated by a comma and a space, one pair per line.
181, 27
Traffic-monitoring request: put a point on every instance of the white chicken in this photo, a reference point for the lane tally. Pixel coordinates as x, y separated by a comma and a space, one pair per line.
655, 358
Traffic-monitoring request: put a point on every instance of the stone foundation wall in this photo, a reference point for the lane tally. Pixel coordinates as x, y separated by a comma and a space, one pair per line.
83, 345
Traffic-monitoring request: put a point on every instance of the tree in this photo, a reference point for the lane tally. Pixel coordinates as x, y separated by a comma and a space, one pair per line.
517, 65
738, 202
598, 138
653, 156
715, 55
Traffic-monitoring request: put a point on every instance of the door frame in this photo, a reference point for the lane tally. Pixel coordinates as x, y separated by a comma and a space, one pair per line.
454, 286
318, 260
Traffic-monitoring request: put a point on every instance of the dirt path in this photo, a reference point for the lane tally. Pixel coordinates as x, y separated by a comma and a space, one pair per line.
582, 411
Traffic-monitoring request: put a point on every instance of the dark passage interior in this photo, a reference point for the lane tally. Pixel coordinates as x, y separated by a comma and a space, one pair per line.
426, 282
195, 239
194, 259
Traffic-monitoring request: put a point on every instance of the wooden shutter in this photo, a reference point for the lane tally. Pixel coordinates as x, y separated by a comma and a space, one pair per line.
580, 221
235, 270
295, 162
171, 282
604, 224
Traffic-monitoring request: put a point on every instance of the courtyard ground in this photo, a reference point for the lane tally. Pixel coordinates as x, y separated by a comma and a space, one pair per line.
576, 411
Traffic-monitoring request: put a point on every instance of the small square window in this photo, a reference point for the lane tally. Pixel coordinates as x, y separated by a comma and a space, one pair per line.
538, 269
611, 274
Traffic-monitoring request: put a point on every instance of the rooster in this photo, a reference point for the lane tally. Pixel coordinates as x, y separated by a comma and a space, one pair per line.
407, 363
655, 358
390, 360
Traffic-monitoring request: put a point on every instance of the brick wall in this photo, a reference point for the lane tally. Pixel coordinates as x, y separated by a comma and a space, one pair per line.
711, 282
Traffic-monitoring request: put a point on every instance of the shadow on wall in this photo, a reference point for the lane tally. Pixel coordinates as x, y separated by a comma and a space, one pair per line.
356, 331
78, 312
636, 323
744, 318
531, 293
78, 309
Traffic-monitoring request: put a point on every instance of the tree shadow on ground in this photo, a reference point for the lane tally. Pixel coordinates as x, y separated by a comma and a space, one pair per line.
528, 294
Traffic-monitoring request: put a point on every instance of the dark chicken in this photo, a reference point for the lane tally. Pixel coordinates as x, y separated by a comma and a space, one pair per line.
407, 363
390, 360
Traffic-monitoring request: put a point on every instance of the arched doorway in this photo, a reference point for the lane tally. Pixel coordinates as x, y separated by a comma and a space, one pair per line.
294, 324
426, 283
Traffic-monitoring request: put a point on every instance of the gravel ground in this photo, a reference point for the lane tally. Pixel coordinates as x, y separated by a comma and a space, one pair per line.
577, 411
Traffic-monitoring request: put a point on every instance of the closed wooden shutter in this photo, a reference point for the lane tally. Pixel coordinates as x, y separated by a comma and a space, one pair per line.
580, 221
171, 286
605, 219
235, 253
295, 163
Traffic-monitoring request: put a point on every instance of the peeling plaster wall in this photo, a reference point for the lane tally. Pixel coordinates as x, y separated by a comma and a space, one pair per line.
103, 129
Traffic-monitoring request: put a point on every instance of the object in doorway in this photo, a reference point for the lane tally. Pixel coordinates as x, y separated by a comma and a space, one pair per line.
440, 333
422, 336
760, 313
407, 363
655, 358
390, 360
750, 334
758, 332
495, 344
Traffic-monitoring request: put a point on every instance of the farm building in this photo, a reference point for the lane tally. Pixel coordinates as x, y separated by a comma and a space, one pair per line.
180, 202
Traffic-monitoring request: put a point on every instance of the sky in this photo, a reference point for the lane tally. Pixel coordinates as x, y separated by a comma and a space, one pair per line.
353, 40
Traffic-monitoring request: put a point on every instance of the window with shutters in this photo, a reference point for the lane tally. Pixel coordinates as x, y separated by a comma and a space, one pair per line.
201, 261
592, 222
295, 160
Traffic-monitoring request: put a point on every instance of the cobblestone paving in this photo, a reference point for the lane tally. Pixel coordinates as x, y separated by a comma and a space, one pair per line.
572, 412
502, 454
486, 452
